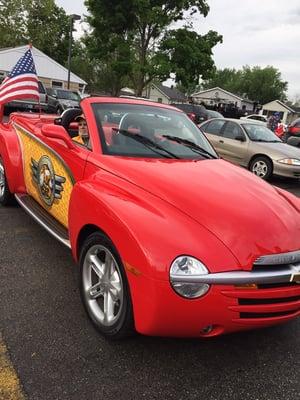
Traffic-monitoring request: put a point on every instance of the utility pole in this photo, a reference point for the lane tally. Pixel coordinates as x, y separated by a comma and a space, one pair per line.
73, 17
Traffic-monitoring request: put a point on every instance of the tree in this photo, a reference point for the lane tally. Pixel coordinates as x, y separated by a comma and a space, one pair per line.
263, 84
47, 27
126, 35
227, 79
187, 55
12, 27
259, 84
40, 22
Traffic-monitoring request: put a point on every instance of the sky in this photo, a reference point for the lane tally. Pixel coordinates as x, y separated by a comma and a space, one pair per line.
255, 33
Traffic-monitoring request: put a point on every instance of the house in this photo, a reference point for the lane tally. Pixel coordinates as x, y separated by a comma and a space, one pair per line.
287, 113
50, 72
216, 96
164, 94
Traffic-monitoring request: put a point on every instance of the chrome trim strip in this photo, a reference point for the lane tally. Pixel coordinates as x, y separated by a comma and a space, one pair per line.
284, 275
39, 221
279, 259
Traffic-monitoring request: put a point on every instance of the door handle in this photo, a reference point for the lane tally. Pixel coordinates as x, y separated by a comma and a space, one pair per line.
221, 141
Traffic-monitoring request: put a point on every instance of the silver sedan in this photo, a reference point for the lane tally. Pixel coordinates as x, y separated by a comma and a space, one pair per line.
252, 145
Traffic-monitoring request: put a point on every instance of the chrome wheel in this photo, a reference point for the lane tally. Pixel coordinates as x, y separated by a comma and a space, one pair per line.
260, 168
102, 285
2, 180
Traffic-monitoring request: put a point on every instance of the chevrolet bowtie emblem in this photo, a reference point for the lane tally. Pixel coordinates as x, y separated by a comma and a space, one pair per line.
295, 276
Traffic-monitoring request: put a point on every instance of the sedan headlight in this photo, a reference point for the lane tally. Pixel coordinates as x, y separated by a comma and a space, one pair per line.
290, 161
188, 266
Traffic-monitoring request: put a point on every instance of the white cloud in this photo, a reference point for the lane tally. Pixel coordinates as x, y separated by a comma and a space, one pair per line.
256, 32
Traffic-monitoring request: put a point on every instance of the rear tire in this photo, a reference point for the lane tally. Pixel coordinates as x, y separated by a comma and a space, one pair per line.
6, 197
262, 167
104, 288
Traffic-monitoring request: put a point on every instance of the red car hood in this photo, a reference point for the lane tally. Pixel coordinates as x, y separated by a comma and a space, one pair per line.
247, 214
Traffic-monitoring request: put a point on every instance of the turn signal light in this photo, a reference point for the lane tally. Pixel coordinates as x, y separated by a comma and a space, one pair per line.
247, 286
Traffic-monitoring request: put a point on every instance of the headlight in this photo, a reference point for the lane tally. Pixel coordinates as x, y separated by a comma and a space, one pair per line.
188, 266
290, 161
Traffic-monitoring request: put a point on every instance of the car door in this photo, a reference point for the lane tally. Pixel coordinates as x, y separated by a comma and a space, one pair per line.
234, 143
51, 169
212, 130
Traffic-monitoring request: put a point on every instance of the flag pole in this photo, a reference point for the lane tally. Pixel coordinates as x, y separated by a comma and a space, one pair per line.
1, 113
39, 102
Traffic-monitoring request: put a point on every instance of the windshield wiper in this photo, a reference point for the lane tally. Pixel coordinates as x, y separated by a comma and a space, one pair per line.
147, 142
191, 145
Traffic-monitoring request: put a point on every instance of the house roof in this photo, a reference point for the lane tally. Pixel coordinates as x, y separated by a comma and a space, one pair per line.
172, 93
280, 103
46, 67
217, 88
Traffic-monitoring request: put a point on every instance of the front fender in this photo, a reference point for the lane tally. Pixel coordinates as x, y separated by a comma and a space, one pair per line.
10, 151
148, 234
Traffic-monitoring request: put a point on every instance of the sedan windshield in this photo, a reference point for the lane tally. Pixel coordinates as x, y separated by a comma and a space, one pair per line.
148, 131
259, 133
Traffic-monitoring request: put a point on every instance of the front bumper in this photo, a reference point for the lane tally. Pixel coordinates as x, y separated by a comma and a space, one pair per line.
236, 301
289, 171
27, 106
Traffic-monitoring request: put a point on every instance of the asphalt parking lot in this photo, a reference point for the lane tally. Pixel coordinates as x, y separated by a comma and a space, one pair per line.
57, 354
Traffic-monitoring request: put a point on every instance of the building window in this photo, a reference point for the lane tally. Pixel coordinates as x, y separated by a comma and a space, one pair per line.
57, 84
159, 100
81, 86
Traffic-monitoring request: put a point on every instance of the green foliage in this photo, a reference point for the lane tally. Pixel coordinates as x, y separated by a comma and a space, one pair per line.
48, 28
258, 84
188, 55
40, 22
12, 29
126, 35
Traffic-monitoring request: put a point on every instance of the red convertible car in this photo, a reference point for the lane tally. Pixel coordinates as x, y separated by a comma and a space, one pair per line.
171, 240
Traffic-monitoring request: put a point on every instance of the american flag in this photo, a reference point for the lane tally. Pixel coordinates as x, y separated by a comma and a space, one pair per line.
21, 82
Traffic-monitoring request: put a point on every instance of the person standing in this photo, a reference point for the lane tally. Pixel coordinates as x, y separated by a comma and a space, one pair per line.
273, 121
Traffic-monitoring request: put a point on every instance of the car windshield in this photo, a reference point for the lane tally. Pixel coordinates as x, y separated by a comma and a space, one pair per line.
259, 133
148, 131
67, 95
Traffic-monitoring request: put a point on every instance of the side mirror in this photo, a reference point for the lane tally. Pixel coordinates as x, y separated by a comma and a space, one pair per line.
57, 132
240, 138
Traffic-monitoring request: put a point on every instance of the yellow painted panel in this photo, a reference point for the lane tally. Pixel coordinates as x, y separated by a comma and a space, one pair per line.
47, 178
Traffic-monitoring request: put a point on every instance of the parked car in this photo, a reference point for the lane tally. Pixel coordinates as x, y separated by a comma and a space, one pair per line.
294, 141
29, 104
195, 112
254, 146
170, 239
53, 103
292, 129
256, 117
213, 114
65, 98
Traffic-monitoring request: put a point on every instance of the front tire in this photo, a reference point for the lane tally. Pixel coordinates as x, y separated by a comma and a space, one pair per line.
104, 288
262, 167
6, 197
